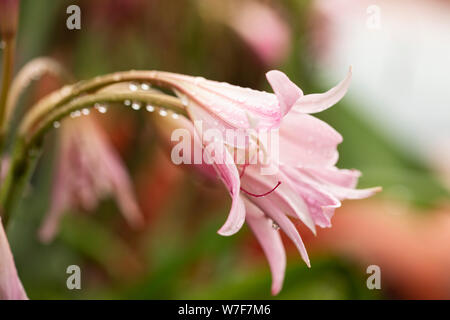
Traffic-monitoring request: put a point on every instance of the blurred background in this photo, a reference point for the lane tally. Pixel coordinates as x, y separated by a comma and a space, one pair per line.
395, 122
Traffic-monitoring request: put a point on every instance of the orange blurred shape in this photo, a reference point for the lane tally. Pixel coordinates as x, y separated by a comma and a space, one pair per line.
411, 248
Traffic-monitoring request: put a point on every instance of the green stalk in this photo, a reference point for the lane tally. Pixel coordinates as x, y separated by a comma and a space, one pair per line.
27, 147
7, 68
64, 95
22, 166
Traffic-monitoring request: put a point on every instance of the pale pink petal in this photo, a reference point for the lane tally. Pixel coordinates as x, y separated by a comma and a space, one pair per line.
317, 102
270, 241
228, 103
314, 194
166, 126
307, 141
286, 91
227, 171
341, 177
273, 211
283, 196
10, 285
61, 195
210, 122
88, 170
108, 172
123, 191
349, 193
341, 192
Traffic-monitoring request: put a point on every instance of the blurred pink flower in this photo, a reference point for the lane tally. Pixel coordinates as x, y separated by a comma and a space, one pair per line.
88, 170
308, 186
258, 25
10, 285
263, 30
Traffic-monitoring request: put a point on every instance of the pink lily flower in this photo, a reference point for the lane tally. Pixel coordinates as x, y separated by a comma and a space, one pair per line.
10, 285
307, 185
88, 170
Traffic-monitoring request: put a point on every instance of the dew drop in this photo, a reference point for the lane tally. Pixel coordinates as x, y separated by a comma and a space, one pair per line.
127, 103
150, 108
100, 108
162, 113
75, 114
56, 124
175, 115
85, 111
136, 106
184, 101
275, 226
133, 87
145, 86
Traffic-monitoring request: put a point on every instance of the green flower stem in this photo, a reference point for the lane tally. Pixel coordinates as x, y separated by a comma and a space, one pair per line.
27, 146
89, 101
7, 69
22, 166
67, 93
31, 71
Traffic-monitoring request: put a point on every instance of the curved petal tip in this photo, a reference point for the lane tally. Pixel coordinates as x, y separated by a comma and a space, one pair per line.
317, 102
286, 91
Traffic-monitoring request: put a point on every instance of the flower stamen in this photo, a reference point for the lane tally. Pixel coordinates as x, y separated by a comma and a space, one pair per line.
264, 194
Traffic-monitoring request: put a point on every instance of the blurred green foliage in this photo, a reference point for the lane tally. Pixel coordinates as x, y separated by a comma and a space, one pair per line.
172, 260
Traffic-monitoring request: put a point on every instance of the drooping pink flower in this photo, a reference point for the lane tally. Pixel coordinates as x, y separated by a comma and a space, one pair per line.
307, 185
88, 170
10, 285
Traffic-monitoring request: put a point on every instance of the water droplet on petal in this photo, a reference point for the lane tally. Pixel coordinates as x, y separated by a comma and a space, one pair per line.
162, 113
75, 114
175, 115
85, 111
56, 124
184, 100
275, 226
127, 103
150, 108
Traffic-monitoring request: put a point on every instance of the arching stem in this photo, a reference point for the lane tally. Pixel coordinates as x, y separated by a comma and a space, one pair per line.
27, 147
